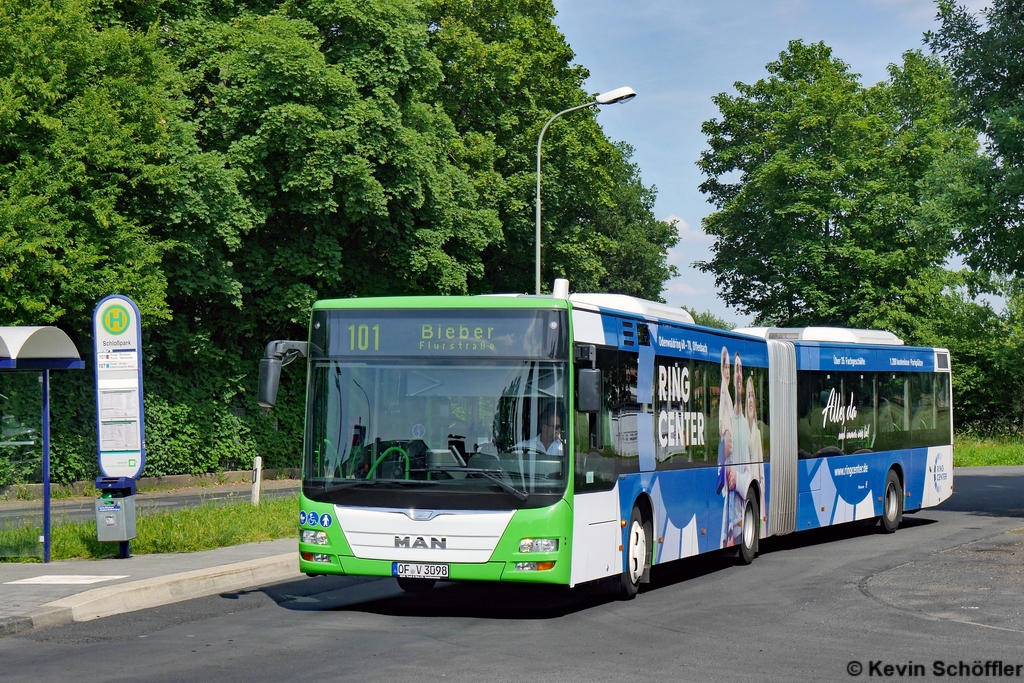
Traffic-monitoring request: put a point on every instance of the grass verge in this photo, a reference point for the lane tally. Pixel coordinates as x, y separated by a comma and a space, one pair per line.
208, 526
976, 451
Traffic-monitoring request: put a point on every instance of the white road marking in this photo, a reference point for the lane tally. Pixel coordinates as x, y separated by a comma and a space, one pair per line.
66, 579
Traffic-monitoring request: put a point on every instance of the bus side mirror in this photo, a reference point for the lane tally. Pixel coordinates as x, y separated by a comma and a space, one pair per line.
270, 378
589, 391
278, 354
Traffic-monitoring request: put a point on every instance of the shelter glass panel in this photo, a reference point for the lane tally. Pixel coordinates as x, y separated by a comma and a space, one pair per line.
21, 458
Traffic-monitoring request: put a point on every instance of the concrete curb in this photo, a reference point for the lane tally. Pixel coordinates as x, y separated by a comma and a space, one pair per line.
161, 590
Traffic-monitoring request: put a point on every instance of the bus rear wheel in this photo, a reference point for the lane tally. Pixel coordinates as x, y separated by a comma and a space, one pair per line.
638, 552
415, 585
750, 528
892, 503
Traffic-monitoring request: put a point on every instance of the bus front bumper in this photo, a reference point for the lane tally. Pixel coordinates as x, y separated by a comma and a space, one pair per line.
325, 563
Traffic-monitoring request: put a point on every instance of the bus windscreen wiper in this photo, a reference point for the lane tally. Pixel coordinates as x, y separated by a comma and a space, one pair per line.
357, 483
488, 474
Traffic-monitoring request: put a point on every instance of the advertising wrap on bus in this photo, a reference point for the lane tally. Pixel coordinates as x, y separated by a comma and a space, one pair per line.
671, 340
833, 357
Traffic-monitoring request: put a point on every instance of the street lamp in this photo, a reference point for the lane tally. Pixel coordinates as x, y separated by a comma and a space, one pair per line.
610, 97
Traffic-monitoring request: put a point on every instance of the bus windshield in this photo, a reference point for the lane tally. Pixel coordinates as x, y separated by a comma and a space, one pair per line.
484, 433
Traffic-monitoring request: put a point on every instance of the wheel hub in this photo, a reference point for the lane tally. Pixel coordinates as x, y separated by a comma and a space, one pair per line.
637, 551
890, 502
749, 525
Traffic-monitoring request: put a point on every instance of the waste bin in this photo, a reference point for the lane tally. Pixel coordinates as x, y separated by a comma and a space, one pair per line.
115, 511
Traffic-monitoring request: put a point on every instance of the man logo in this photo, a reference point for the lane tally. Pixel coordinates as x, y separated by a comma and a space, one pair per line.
115, 319
435, 543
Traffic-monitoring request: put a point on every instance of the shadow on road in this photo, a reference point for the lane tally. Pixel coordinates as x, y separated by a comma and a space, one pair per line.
832, 534
471, 600
988, 495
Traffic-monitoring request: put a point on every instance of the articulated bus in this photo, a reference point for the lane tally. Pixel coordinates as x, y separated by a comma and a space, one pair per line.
568, 439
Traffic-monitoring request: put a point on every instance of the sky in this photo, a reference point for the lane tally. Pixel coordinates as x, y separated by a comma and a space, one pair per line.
677, 54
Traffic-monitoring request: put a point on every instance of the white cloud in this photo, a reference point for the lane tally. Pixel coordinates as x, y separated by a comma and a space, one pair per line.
677, 288
681, 223
686, 233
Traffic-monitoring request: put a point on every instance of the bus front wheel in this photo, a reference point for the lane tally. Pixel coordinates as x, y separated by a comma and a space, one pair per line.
892, 503
638, 551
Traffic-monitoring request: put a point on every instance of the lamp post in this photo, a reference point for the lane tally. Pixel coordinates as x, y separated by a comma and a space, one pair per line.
611, 97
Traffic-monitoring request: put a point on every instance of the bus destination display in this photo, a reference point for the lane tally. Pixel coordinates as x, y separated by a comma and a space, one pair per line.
526, 334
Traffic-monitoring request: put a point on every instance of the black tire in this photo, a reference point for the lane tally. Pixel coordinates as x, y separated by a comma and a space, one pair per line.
638, 555
892, 503
750, 529
415, 585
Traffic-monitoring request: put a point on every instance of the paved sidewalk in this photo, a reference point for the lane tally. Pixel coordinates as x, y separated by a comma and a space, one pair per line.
138, 582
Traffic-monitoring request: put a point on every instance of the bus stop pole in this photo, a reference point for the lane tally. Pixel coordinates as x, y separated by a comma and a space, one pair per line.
46, 465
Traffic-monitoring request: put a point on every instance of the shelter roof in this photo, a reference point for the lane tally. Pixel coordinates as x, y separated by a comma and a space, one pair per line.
37, 348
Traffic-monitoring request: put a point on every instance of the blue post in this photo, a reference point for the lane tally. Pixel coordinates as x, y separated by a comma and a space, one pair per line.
46, 465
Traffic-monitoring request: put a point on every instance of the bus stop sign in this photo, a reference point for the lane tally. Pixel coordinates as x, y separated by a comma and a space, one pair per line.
120, 433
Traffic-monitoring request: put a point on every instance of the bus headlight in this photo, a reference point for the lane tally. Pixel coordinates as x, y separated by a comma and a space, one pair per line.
314, 537
538, 545
315, 557
534, 566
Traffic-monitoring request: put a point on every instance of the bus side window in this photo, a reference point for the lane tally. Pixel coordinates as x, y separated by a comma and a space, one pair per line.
929, 422
922, 397
699, 452
893, 417
819, 421
606, 442
942, 413
683, 421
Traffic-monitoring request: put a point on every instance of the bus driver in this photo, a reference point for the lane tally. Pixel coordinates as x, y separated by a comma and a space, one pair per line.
549, 438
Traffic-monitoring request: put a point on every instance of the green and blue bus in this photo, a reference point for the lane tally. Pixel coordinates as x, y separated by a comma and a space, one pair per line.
568, 439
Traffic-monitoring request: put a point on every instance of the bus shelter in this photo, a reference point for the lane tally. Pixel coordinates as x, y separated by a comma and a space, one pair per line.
27, 355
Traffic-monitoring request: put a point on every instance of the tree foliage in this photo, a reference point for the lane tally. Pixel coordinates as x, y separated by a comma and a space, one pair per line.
986, 191
820, 185
83, 127
226, 164
986, 57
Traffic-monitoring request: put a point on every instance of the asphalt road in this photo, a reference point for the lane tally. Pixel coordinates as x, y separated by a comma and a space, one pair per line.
947, 587
80, 509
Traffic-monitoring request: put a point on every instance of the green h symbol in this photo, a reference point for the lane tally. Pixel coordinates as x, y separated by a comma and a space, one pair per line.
115, 319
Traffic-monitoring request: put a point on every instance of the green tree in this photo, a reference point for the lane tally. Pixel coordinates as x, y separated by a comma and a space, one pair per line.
986, 57
351, 183
101, 185
83, 126
820, 185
